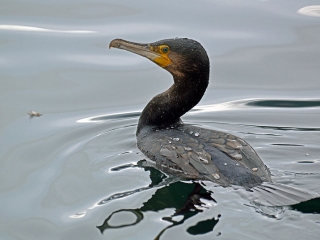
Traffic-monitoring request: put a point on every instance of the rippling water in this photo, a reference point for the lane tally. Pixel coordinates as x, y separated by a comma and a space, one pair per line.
75, 172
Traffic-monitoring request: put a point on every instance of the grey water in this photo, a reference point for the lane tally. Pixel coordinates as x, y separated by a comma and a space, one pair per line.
75, 172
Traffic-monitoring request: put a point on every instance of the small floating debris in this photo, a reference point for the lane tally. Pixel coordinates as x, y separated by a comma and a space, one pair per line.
176, 139
188, 148
307, 154
216, 176
33, 114
126, 152
254, 169
225, 164
197, 134
191, 132
169, 141
78, 215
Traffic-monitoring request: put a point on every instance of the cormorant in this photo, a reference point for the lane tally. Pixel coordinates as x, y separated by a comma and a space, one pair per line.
183, 149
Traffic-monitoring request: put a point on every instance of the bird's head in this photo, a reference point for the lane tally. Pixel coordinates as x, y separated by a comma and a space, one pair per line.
179, 56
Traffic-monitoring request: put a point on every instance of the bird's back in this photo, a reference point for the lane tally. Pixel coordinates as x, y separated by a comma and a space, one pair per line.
199, 153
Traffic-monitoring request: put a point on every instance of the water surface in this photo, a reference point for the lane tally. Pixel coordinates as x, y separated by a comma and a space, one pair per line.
75, 172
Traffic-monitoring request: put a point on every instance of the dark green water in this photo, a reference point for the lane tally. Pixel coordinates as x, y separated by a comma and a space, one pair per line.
75, 172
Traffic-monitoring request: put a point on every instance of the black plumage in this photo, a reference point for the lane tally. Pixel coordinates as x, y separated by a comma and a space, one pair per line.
190, 151
183, 149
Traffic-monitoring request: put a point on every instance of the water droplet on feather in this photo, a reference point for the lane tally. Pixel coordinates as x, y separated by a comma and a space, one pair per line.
237, 156
205, 161
216, 176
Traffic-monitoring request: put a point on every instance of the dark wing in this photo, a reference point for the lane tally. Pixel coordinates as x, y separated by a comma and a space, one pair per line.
174, 150
233, 146
212, 155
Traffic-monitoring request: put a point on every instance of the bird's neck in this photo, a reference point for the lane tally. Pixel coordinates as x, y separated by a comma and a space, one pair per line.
166, 108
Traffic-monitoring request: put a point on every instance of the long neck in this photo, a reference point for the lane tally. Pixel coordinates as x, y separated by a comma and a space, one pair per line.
166, 108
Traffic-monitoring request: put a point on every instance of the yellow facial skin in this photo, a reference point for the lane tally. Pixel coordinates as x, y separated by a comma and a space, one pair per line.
157, 54
163, 60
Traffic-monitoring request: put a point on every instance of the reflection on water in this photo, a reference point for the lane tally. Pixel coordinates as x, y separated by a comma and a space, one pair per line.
285, 103
232, 105
291, 128
312, 11
113, 116
70, 170
258, 103
312, 206
186, 198
37, 29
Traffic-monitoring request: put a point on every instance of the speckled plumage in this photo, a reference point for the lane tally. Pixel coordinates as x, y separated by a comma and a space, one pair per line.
199, 153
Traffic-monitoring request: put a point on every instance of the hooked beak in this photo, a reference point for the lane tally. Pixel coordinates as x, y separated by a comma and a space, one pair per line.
145, 50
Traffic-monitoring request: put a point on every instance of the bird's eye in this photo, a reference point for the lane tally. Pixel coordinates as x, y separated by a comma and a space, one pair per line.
164, 49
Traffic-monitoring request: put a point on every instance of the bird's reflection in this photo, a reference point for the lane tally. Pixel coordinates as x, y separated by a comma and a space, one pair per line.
185, 197
311, 206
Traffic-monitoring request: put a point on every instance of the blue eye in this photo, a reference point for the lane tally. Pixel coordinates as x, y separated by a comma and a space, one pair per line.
165, 49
